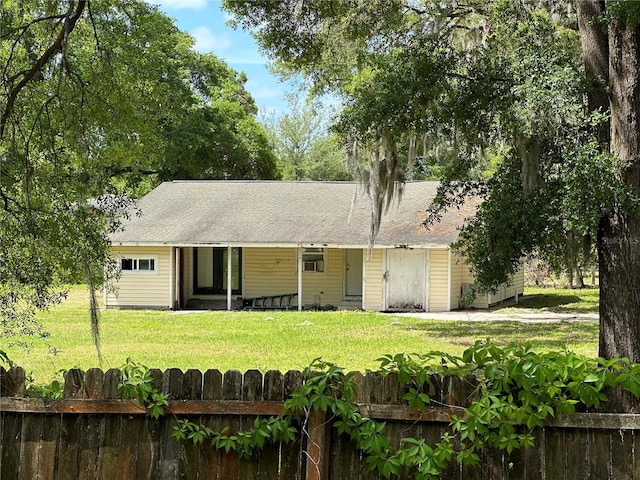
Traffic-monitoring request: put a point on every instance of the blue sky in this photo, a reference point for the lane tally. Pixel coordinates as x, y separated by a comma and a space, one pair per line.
206, 22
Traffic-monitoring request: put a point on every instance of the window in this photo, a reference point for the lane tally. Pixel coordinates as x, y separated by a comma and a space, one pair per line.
313, 259
142, 265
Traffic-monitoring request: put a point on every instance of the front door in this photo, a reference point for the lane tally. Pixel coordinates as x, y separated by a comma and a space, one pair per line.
406, 279
353, 273
210, 270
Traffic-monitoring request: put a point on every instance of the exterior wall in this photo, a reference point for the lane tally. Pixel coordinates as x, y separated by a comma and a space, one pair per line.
439, 280
274, 271
269, 271
151, 290
187, 274
373, 278
518, 282
325, 288
506, 291
481, 301
515, 287
457, 280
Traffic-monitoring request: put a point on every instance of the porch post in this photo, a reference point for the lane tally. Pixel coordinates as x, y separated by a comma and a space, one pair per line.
299, 278
385, 279
171, 272
178, 279
229, 268
449, 280
365, 258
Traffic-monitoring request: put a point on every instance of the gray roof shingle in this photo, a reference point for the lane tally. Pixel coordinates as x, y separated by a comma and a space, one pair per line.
283, 213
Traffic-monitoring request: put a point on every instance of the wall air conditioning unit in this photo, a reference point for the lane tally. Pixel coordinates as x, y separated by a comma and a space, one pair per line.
310, 266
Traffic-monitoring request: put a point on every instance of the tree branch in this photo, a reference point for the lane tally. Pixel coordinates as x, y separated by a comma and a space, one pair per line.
93, 25
120, 171
54, 48
32, 22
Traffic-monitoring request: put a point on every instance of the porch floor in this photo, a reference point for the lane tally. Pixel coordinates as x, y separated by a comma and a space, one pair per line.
198, 304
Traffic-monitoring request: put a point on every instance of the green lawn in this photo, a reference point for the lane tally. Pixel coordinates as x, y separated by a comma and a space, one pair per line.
559, 300
274, 340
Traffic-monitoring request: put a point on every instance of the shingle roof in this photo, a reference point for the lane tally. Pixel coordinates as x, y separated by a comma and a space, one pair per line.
282, 213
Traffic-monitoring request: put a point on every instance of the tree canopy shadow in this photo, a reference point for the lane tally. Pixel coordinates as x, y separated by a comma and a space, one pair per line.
555, 302
544, 335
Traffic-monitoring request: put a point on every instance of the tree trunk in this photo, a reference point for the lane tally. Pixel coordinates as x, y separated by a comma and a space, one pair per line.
613, 61
619, 231
595, 56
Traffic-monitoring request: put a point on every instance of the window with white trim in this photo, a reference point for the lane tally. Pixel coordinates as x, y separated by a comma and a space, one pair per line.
138, 264
313, 259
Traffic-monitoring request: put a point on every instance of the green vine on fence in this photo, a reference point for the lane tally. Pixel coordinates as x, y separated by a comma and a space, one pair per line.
515, 390
136, 382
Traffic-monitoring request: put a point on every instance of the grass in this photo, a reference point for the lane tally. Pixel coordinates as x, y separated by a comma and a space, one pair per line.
278, 340
559, 300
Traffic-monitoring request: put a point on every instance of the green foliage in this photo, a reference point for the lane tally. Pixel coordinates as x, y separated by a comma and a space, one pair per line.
493, 92
5, 360
245, 442
515, 391
53, 390
305, 147
100, 100
628, 12
137, 382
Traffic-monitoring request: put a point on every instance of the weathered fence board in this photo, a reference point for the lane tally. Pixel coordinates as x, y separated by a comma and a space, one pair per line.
293, 457
210, 458
94, 434
231, 390
269, 456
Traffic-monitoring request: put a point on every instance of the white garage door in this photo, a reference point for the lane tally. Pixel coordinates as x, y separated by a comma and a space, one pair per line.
406, 276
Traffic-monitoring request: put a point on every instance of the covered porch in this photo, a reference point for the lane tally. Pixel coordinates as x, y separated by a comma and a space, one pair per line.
237, 276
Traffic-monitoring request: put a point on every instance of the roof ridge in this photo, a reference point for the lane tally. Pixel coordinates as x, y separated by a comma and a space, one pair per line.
339, 182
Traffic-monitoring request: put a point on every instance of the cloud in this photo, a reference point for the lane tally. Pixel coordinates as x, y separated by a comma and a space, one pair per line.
207, 41
180, 4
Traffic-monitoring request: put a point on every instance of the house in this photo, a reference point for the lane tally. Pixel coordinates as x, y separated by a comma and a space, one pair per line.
300, 244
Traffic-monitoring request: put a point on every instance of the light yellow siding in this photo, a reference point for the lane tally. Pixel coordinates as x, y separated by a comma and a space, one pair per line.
481, 301
325, 288
509, 290
438, 280
457, 279
143, 289
274, 271
504, 292
518, 282
187, 274
373, 291
269, 271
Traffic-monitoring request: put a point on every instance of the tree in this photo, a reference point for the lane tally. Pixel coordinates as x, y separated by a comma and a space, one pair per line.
507, 76
93, 98
218, 137
305, 147
614, 75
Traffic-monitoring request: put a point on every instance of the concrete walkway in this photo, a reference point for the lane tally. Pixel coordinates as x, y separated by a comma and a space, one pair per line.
524, 316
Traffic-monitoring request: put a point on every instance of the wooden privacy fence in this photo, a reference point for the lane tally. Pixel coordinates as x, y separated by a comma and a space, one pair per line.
93, 434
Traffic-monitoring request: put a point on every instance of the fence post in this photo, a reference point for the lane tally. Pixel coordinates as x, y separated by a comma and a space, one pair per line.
12, 382
318, 446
